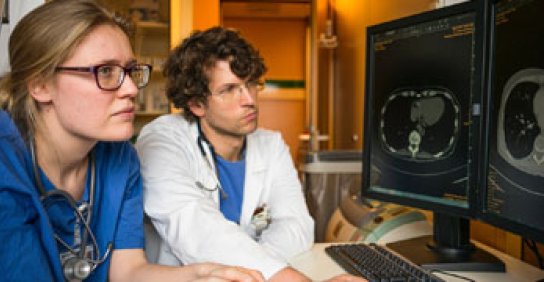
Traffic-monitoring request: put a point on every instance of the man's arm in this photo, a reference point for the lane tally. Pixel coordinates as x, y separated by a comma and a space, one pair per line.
289, 274
291, 230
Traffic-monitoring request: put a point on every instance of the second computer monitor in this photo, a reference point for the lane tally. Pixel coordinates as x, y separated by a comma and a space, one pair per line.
513, 197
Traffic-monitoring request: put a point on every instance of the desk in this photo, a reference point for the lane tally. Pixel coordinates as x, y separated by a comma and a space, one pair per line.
317, 265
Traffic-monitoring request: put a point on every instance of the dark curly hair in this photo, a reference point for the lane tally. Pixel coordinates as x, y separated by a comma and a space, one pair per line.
186, 67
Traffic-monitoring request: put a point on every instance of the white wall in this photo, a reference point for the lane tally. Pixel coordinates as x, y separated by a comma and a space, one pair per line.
17, 9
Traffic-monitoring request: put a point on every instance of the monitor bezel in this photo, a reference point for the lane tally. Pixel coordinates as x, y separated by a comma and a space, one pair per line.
475, 7
521, 229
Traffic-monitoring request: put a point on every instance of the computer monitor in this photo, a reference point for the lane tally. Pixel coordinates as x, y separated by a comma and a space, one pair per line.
424, 86
513, 197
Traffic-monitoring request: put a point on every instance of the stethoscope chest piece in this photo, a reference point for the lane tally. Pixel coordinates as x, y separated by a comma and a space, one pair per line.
76, 269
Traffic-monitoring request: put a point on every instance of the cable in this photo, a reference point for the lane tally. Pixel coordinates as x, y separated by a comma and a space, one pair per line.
452, 274
534, 248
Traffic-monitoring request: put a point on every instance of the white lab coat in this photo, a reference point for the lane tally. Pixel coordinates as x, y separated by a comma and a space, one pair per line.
187, 218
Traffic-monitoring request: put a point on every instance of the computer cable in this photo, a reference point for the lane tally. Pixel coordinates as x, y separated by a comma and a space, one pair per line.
534, 248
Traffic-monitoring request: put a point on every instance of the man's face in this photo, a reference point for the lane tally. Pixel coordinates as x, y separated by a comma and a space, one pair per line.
232, 107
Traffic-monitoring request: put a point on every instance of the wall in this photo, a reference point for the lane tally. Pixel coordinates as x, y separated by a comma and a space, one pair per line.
189, 15
205, 14
17, 9
326, 56
283, 108
352, 18
283, 51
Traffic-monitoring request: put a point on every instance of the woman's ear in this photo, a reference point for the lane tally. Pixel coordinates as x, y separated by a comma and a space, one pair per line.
197, 108
39, 90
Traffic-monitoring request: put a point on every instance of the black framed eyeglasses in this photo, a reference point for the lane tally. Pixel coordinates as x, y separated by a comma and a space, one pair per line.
110, 77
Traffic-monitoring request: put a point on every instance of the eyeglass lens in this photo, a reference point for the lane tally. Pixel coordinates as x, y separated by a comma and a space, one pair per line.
111, 77
235, 90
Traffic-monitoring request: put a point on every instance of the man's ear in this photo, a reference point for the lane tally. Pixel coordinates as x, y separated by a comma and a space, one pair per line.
39, 90
197, 108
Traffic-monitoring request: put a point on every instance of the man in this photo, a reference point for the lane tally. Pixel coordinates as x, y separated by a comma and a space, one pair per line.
216, 188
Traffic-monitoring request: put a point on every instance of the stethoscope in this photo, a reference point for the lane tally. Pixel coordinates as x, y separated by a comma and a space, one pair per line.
78, 267
201, 139
261, 220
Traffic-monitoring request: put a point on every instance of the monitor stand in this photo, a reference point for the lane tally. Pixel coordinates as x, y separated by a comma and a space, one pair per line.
449, 249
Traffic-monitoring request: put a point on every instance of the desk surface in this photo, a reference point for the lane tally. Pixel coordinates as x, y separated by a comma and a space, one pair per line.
317, 265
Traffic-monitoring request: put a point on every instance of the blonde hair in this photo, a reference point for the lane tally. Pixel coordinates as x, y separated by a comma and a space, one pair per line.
40, 42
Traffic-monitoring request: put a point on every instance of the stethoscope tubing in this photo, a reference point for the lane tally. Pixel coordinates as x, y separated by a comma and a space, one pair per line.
211, 167
46, 195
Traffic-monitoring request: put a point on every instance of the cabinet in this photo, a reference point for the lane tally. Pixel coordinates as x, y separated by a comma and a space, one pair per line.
150, 41
151, 46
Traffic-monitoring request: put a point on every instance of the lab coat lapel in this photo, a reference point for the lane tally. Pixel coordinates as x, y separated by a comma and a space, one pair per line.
254, 179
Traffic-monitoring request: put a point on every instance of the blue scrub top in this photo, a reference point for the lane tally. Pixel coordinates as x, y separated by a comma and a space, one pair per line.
231, 176
29, 251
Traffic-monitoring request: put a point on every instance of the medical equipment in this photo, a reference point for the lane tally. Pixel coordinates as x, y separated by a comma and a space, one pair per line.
76, 266
367, 221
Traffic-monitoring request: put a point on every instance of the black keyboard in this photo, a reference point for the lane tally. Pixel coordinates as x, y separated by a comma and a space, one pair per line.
376, 264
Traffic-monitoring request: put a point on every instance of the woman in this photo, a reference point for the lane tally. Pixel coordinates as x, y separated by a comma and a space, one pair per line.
68, 178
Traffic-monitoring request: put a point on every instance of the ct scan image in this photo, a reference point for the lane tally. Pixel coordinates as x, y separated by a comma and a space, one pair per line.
520, 135
420, 125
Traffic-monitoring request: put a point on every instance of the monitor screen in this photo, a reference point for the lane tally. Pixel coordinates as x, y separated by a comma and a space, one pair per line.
421, 86
514, 198
422, 128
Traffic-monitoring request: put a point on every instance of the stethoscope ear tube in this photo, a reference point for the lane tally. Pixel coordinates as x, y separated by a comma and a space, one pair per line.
199, 141
209, 160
